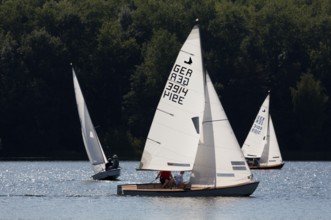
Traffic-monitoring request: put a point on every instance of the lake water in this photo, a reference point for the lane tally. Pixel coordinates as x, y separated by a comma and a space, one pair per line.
64, 190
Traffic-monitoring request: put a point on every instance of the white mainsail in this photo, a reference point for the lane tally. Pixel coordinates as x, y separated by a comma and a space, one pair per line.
219, 160
257, 137
90, 137
174, 134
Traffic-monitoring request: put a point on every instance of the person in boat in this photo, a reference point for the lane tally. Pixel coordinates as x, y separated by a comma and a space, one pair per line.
116, 162
256, 162
109, 163
166, 179
113, 163
179, 179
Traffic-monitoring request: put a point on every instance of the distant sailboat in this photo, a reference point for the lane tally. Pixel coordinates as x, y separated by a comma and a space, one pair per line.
91, 141
190, 131
261, 147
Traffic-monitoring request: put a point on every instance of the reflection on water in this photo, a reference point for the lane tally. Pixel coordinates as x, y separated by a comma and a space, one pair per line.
64, 190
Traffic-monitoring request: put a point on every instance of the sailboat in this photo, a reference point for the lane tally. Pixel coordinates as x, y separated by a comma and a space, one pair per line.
92, 144
261, 147
190, 132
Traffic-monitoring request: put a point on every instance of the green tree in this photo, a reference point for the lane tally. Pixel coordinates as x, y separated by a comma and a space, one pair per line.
309, 106
116, 56
123, 50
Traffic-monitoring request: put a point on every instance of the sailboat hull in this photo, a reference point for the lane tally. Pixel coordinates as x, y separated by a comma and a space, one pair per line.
112, 174
154, 189
266, 167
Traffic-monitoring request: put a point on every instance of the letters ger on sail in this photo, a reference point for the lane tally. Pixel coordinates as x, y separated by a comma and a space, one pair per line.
174, 134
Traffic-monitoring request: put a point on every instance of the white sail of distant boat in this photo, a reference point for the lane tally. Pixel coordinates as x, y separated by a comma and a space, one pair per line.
193, 134
261, 147
92, 144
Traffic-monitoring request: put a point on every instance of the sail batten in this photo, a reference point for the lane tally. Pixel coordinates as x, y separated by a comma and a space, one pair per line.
179, 164
171, 114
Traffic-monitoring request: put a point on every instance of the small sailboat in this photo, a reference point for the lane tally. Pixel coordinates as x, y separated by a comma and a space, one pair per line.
190, 132
91, 141
261, 147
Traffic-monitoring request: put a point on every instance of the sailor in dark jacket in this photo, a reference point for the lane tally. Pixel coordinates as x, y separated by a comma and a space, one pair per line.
113, 163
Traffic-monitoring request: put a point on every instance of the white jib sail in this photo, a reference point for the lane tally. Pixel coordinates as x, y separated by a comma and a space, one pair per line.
174, 134
90, 137
257, 137
274, 155
219, 160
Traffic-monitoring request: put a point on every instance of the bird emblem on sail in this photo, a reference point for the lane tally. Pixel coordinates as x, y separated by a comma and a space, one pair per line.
189, 62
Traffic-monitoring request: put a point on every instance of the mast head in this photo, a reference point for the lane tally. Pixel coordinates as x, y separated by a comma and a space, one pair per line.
196, 24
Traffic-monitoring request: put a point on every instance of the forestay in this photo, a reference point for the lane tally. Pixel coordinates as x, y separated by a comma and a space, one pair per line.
219, 161
174, 134
90, 137
257, 136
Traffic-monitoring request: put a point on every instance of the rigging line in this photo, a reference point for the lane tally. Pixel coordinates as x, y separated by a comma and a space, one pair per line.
165, 112
153, 181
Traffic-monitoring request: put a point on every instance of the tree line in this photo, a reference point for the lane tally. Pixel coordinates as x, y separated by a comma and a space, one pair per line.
122, 52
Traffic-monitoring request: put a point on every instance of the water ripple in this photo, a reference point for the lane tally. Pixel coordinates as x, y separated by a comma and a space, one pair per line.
65, 190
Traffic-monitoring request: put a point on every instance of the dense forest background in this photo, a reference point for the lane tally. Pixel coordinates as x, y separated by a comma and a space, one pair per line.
123, 51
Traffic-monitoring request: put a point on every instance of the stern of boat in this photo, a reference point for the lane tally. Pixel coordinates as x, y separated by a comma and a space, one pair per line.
112, 174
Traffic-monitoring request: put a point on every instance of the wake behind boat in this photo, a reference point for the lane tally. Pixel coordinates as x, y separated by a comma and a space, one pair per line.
91, 141
190, 132
261, 147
